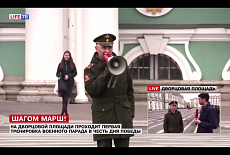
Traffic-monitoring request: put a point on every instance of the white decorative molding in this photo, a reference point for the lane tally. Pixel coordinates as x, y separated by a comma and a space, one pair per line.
154, 43
133, 53
164, 43
225, 72
198, 34
157, 14
174, 36
144, 45
196, 75
210, 31
12, 34
128, 41
181, 61
169, 51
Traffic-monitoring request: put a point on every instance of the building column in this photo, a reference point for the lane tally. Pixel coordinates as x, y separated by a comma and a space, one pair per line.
90, 23
152, 97
44, 47
149, 106
44, 43
1, 74
167, 105
97, 21
153, 104
157, 101
161, 106
157, 108
2, 92
160, 101
81, 97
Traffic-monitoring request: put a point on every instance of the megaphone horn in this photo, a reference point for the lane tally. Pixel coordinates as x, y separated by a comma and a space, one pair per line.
107, 57
116, 64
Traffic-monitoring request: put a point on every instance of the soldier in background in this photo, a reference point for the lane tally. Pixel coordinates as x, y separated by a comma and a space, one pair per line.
173, 122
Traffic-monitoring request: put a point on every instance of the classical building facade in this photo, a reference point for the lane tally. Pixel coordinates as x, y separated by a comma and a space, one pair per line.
170, 46
160, 101
213, 99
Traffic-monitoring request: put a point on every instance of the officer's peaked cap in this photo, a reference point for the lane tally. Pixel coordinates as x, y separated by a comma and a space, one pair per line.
106, 39
173, 103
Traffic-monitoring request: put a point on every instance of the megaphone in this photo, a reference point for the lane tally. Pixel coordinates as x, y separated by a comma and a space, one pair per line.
116, 64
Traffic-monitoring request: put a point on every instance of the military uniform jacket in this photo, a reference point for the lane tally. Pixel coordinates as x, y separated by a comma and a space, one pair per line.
173, 122
110, 105
208, 120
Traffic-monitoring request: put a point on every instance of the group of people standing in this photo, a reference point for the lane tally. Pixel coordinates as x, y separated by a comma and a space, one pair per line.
116, 105
111, 105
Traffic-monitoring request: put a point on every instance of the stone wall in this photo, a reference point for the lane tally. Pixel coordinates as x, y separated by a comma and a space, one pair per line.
43, 91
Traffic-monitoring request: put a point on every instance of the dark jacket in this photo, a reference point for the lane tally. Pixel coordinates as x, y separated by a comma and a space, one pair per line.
110, 105
173, 122
208, 120
67, 71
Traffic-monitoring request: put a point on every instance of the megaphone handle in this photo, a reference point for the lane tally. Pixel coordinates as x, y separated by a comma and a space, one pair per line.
109, 83
115, 81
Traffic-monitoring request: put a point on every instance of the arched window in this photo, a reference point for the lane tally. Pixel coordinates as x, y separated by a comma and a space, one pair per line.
155, 67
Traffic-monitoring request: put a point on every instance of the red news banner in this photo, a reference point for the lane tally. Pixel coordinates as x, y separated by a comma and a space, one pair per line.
17, 126
181, 88
153, 88
39, 118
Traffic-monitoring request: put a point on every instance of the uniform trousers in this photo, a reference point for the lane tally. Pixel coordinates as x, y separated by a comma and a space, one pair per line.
119, 142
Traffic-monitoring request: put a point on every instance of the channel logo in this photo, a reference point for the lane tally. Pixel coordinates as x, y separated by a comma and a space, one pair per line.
19, 16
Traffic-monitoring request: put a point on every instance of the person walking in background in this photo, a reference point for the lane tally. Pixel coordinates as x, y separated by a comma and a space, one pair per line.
67, 71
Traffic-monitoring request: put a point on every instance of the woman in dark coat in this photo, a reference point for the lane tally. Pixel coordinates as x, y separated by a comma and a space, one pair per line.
67, 71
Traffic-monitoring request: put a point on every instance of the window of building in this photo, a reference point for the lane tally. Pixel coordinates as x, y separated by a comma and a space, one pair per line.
155, 67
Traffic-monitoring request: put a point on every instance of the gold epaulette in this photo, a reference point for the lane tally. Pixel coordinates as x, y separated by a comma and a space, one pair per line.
89, 66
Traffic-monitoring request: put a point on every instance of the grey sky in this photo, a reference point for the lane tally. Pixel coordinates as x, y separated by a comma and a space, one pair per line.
188, 96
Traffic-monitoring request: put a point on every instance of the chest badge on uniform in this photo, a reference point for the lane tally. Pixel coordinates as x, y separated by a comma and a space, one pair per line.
89, 66
87, 77
164, 115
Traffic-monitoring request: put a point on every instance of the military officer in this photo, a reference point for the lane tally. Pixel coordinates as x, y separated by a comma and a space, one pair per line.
110, 105
173, 122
